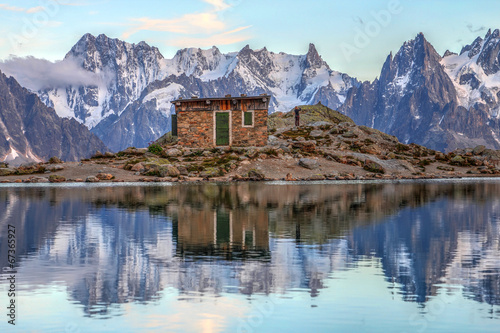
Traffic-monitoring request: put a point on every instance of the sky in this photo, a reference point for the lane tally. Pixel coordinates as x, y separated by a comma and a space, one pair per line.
352, 36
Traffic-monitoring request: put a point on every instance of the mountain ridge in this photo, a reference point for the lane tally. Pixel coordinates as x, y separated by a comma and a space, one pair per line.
108, 107
446, 102
418, 99
31, 131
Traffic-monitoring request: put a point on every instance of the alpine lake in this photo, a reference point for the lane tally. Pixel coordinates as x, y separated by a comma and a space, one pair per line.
381, 256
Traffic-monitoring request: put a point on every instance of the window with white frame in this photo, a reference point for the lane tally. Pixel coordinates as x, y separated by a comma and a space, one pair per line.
248, 118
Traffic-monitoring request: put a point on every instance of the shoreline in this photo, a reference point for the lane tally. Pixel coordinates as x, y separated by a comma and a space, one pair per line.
471, 179
320, 151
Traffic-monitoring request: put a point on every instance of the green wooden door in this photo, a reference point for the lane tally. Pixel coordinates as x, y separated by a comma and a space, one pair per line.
222, 128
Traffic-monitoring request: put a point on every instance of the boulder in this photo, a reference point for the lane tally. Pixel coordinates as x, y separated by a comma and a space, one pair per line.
173, 152
440, 156
491, 153
478, 150
211, 172
39, 180
373, 166
349, 135
316, 133
272, 140
134, 151
346, 124
169, 171
55, 167
316, 177
92, 179
372, 149
56, 179
307, 146
396, 165
104, 176
285, 148
183, 170
319, 124
308, 163
138, 167
207, 153
457, 160
255, 174
252, 153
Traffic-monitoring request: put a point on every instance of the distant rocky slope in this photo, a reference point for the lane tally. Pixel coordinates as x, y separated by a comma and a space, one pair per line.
31, 131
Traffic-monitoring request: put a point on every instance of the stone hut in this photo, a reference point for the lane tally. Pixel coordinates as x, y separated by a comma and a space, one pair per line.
223, 121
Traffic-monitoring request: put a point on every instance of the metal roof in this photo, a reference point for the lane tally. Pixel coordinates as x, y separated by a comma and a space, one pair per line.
227, 97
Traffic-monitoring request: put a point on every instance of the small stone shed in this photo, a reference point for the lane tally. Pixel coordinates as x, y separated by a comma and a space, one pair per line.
224, 121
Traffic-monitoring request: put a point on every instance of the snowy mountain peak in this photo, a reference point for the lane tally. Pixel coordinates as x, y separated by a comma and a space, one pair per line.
313, 59
207, 64
129, 102
476, 74
96, 53
448, 53
489, 59
474, 48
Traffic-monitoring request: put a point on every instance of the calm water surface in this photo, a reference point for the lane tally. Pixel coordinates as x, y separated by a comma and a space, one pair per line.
253, 257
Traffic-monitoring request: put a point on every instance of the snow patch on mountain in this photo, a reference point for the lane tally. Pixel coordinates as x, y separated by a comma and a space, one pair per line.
474, 81
164, 96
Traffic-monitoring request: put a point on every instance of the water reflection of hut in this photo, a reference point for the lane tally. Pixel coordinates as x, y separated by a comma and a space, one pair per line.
228, 233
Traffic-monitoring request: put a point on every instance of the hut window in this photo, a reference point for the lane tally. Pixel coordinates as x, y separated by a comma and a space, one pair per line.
247, 118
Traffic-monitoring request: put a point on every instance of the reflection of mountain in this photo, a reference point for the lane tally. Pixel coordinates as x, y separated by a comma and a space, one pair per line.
122, 244
453, 242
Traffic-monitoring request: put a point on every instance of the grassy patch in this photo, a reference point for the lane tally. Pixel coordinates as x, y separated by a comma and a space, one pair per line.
308, 114
402, 147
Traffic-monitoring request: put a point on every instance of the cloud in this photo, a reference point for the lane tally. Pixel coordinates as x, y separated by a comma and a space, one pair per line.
225, 38
20, 9
11, 8
38, 74
192, 23
219, 5
35, 9
71, 3
471, 28
187, 24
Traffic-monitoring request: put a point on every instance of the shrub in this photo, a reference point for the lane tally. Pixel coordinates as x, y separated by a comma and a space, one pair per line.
155, 149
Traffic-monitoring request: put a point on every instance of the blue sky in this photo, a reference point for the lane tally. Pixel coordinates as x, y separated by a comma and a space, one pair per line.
353, 36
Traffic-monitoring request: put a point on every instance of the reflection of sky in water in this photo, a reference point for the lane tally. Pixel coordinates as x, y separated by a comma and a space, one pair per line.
257, 257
